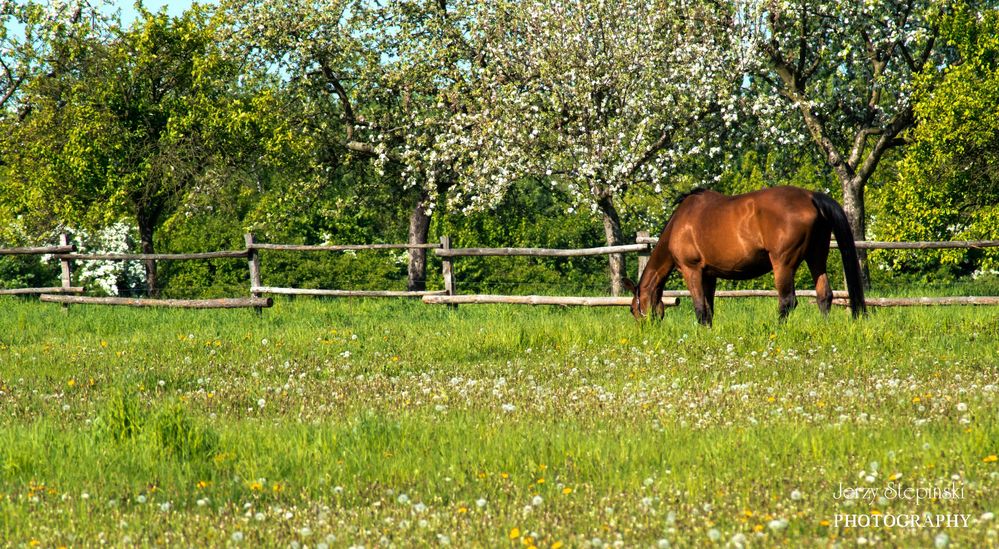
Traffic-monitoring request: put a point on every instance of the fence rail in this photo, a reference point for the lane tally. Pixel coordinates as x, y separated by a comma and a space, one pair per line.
341, 293
225, 254
40, 250
65, 294
220, 303
49, 290
478, 299
540, 252
338, 248
875, 245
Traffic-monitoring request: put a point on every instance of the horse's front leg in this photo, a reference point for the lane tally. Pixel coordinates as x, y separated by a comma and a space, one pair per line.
784, 280
695, 280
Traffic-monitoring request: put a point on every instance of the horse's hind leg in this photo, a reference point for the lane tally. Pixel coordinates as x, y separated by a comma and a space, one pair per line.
784, 280
823, 291
709, 283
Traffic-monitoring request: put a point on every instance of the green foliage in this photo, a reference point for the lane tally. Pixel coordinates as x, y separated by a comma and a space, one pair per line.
155, 121
169, 428
27, 272
181, 436
305, 123
209, 278
761, 168
119, 418
948, 182
529, 215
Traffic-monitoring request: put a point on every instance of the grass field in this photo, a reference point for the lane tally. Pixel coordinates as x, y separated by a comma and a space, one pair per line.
378, 423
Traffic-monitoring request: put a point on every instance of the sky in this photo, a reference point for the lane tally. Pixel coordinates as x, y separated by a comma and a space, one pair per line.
174, 7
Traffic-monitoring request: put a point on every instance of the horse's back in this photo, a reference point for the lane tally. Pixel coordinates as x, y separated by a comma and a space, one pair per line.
735, 236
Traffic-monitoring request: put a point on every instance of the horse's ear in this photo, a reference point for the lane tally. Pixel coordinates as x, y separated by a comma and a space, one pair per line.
630, 286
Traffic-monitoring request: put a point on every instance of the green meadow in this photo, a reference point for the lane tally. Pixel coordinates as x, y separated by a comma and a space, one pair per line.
325, 423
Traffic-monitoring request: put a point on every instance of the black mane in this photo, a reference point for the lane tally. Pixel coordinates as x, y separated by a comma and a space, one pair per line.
687, 194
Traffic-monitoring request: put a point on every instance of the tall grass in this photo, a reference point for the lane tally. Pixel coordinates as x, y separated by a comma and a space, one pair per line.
392, 422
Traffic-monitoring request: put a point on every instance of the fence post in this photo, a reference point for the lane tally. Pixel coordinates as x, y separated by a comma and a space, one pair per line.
253, 257
447, 269
67, 270
643, 256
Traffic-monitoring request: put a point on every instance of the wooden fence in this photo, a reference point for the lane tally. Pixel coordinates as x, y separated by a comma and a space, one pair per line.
644, 245
257, 288
64, 247
67, 294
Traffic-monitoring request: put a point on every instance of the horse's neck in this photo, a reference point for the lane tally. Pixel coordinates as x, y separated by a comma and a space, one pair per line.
660, 262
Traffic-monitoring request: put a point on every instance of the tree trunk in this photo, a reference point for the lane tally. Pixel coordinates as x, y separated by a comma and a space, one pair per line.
853, 205
419, 229
146, 229
614, 236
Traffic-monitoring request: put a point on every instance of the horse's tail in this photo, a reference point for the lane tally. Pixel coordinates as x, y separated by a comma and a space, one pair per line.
833, 213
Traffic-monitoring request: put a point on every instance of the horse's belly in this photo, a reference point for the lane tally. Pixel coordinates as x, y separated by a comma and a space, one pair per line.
742, 268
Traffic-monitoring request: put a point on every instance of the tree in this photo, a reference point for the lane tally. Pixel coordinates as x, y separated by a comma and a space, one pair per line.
373, 81
847, 69
596, 97
42, 40
129, 133
948, 183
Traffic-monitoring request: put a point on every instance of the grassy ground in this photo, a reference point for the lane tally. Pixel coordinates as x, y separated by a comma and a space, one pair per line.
377, 423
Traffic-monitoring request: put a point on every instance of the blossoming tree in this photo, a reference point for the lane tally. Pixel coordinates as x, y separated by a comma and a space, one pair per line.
847, 69
379, 81
595, 96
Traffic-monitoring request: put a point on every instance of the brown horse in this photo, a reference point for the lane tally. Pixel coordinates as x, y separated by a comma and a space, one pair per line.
712, 236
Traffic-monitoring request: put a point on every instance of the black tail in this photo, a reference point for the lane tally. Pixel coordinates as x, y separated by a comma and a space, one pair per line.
832, 212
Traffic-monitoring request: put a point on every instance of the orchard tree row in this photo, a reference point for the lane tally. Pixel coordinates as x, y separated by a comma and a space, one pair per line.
524, 121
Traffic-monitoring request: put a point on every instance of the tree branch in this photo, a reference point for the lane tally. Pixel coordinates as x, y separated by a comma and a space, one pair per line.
803, 41
900, 122
664, 139
860, 143
348, 110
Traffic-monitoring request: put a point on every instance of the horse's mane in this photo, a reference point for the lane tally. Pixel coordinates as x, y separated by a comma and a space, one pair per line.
694, 192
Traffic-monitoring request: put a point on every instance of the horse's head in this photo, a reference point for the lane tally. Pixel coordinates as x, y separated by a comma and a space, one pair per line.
644, 302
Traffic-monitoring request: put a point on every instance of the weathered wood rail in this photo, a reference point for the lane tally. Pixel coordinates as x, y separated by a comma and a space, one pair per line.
478, 299
40, 250
230, 254
342, 293
539, 252
643, 238
218, 303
